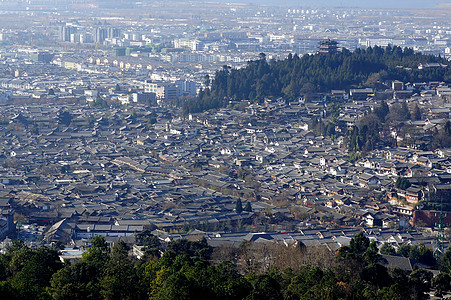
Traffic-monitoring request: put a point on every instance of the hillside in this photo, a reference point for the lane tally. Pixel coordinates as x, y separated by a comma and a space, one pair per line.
299, 76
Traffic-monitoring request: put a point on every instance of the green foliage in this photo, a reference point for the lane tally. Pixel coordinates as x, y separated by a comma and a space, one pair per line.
31, 270
151, 243
416, 113
312, 283
420, 281
65, 169
242, 173
365, 135
119, 275
184, 272
65, 118
248, 207
382, 111
78, 281
388, 249
402, 183
7, 291
265, 287
359, 244
354, 156
445, 261
98, 253
303, 76
418, 253
238, 206
323, 128
99, 103
199, 250
442, 284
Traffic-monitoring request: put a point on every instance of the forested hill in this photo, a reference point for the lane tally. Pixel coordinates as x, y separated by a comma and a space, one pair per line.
295, 76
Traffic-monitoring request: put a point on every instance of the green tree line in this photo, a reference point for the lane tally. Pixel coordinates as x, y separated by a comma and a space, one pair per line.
186, 270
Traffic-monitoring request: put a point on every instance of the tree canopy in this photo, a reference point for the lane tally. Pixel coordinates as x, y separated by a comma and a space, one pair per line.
186, 271
303, 76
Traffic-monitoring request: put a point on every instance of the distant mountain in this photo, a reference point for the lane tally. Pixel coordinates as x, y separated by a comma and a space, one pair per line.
349, 3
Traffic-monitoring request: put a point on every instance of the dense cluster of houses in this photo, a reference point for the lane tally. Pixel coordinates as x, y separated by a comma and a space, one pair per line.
114, 172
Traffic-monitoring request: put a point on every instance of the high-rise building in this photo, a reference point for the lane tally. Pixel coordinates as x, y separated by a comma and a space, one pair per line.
86, 38
66, 32
187, 88
114, 32
101, 35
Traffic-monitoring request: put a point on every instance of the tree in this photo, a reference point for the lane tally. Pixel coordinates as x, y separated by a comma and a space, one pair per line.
307, 90
359, 244
445, 261
99, 103
382, 111
176, 286
150, 242
420, 282
7, 291
238, 206
398, 112
442, 137
292, 76
265, 288
402, 183
227, 283
447, 127
442, 284
371, 254
248, 207
98, 253
291, 91
119, 276
416, 113
388, 249
34, 272
376, 274
65, 118
207, 80
199, 250
81, 280
357, 256
404, 250
243, 172
425, 255
65, 169
78, 281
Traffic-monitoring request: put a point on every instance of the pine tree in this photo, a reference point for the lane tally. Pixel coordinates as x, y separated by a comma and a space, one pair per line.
239, 206
248, 207
416, 114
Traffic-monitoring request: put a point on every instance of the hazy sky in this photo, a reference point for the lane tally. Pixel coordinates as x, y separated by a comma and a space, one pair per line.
350, 3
